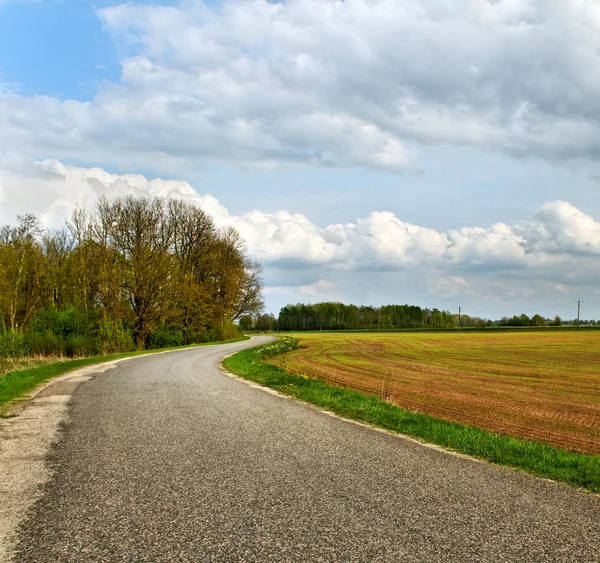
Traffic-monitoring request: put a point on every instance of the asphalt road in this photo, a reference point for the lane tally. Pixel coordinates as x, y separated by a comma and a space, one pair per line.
164, 458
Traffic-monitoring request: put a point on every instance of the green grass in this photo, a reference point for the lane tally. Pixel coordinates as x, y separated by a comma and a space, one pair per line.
579, 470
16, 384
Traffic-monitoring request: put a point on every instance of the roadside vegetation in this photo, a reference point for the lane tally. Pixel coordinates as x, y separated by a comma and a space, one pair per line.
130, 274
540, 459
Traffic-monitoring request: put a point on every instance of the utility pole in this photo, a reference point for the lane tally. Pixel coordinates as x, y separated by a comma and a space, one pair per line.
578, 309
459, 309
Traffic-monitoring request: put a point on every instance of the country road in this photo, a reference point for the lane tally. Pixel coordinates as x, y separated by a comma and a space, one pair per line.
165, 458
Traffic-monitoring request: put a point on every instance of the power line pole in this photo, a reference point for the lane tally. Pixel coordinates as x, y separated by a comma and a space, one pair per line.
578, 309
459, 309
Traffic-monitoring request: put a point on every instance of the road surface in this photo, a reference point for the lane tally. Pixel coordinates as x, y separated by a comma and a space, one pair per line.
165, 458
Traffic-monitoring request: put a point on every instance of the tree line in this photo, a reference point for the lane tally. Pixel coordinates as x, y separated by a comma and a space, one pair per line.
130, 273
338, 316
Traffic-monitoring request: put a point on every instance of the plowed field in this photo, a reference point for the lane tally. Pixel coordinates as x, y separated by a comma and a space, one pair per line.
543, 386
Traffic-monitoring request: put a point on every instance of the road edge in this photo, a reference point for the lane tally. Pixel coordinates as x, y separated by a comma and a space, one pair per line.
27, 436
401, 436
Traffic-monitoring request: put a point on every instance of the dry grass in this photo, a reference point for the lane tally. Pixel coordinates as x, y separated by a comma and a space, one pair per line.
540, 386
13, 364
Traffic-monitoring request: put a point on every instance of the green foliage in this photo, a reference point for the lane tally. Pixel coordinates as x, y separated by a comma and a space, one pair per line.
538, 459
227, 331
45, 344
165, 338
338, 316
284, 344
246, 323
113, 337
70, 332
157, 271
12, 344
79, 345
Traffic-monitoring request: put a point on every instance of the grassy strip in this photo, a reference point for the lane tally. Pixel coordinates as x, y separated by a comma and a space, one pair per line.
15, 384
538, 459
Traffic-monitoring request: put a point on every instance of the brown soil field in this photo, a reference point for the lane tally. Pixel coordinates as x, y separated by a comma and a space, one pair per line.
543, 386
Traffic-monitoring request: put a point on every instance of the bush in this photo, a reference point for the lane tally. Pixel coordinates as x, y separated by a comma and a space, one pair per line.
12, 344
80, 345
113, 337
223, 332
64, 324
284, 344
45, 344
165, 338
67, 332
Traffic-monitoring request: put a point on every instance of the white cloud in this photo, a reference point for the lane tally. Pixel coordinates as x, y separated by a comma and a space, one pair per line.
380, 241
561, 227
350, 84
376, 258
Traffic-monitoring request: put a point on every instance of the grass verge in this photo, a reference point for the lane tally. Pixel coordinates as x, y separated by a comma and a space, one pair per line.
542, 460
15, 384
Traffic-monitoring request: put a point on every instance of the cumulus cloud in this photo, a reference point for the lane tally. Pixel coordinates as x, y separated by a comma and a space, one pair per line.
377, 258
381, 241
561, 227
354, 84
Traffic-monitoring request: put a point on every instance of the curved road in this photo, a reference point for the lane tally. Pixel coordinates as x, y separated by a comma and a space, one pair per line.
165, 458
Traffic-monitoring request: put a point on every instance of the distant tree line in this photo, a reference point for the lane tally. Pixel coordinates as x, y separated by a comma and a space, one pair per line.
130, 273
525, 320
338, 316
264, 322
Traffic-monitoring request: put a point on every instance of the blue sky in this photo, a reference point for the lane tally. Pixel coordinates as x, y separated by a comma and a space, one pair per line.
440, 153
55, 48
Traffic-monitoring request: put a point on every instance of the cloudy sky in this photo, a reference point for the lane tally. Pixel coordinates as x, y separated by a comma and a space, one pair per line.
442, 153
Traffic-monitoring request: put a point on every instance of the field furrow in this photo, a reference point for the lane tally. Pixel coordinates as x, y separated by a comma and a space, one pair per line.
543, 386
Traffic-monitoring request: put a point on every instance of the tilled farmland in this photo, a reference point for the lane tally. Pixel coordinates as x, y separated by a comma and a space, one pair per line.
543, 386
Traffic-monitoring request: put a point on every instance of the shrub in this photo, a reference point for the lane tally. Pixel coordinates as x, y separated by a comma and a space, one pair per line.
80, 346
45, 343
284, 344
165, 338
223, 332
12, 344
113, 337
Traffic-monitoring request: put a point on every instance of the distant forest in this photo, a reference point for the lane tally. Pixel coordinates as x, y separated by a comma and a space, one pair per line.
338, 316
130, 273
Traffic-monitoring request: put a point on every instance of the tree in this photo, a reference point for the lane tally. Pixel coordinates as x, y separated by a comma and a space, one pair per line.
237, 280
139, 231
246, 323
266, 322
249, 298
21, 263
194, 238
158, 270
57, 247
538, 320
